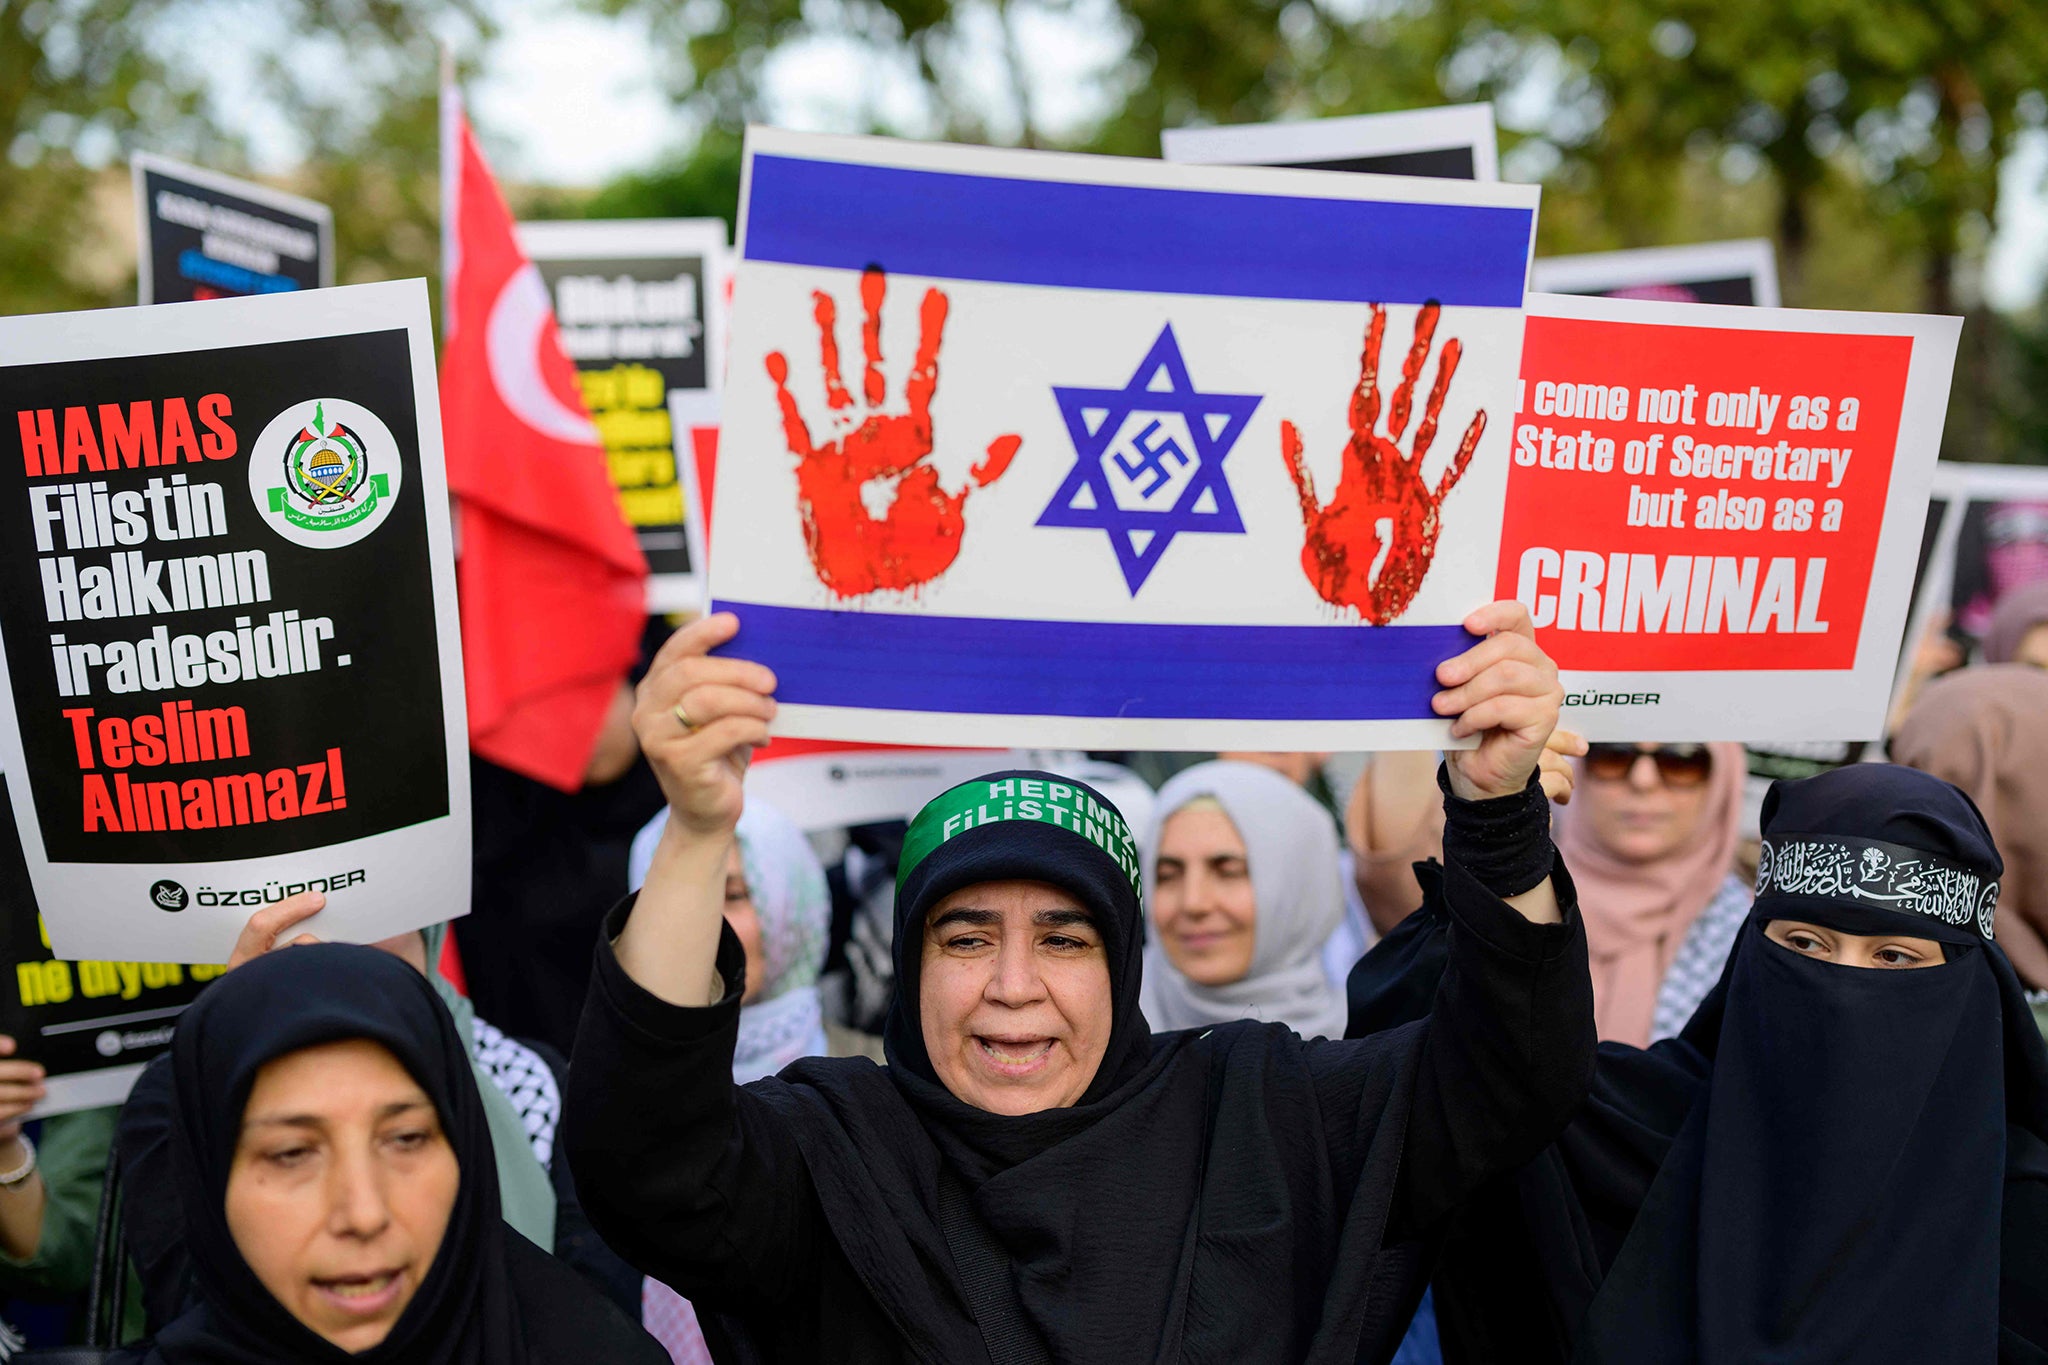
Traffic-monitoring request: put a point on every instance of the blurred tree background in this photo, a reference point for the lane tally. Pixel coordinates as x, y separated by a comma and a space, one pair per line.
1865, 137
84, 82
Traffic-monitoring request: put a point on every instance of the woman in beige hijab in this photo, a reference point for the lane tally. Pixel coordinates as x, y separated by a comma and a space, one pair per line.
1986, 730
1650, 840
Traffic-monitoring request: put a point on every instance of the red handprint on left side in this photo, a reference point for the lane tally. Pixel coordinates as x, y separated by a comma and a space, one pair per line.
1380, 485
852, 551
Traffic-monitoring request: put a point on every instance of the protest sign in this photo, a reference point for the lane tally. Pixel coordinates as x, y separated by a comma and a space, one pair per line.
202, 235
231, 667
642, 317
1987, 533
1107, 477
1714, 511
1455, 142
1744, 271
92, 1025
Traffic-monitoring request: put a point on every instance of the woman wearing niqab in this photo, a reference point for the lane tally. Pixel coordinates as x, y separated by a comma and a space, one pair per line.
1830, 1163
1220, 1194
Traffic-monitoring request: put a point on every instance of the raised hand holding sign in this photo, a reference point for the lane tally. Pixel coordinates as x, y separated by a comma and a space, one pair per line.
1380, 484
853, 551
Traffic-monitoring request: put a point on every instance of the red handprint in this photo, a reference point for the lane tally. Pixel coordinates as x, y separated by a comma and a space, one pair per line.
852, 551
1380, 484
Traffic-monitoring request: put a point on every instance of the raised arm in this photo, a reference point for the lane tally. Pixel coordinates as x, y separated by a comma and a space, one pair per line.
1504, 690
1506, 1051
686, 1175
698, 719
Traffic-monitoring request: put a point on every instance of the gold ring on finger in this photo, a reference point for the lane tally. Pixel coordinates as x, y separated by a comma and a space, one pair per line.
683, 717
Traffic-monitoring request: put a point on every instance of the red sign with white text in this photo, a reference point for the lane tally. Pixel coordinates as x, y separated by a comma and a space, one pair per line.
1700, 498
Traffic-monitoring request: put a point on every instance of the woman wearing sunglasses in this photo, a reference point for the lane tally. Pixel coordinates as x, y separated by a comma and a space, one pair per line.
1650, 838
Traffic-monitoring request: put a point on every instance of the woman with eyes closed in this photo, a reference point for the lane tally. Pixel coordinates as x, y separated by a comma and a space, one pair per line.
333, 1162
1036, 1175
1245, 887
1843, 1156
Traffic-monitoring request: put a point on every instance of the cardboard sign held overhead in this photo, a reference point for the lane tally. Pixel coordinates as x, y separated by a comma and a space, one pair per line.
232, 667
641, 308
1714, 512
1455, 142
1059, 451
202, 235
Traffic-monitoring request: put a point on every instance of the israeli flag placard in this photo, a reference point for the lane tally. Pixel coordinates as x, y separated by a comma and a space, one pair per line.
1026, 448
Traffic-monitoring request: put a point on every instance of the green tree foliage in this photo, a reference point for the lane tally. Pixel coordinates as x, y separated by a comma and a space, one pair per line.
76, 82
703, 184
1863, 136
1909, 104
82, 82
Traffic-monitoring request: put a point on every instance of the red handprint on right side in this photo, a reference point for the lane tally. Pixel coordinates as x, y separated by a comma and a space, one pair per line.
1380, 484
852, 551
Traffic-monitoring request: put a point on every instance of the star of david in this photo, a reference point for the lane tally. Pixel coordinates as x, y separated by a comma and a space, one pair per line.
1133, 477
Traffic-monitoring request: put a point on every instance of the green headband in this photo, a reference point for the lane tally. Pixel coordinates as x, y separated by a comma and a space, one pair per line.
1067, 806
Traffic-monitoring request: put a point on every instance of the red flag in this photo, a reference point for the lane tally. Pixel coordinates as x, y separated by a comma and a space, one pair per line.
552, 582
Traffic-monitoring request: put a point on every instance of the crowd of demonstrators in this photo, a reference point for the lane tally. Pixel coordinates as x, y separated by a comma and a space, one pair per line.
1088, 1100
1239, 1051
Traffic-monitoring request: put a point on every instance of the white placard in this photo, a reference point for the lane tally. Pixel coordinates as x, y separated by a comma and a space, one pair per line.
232, 665
1715, 511
1093, 491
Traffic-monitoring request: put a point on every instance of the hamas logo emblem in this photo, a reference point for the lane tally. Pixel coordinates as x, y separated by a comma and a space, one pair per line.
324, 473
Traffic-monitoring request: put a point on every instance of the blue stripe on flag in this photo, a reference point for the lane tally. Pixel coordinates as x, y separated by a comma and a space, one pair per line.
1080, 668
1078, 236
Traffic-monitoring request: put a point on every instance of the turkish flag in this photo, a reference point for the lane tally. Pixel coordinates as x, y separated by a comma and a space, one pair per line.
552, 581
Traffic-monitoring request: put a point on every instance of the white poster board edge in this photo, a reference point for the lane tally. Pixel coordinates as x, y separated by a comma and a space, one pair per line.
1341, 138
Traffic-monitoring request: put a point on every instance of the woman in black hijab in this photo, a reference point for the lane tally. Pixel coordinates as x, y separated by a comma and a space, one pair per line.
366, 1222
1831, 1163
1036, 1176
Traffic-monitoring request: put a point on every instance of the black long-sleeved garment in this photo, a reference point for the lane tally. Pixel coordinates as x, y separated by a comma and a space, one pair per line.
1250, 1197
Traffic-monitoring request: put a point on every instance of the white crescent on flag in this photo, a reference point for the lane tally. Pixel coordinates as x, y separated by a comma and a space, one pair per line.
512, 341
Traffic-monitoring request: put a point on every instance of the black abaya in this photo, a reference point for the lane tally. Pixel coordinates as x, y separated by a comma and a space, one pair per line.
1231, 1195
1829, 1163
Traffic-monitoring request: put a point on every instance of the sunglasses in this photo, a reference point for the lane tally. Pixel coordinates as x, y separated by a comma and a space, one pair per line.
1678, 765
